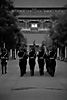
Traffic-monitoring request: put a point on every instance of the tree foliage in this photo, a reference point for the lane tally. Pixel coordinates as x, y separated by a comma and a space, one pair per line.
8, 24
59, 33
61, 28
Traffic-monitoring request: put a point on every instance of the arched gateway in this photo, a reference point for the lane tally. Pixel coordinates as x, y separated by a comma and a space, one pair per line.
36, 22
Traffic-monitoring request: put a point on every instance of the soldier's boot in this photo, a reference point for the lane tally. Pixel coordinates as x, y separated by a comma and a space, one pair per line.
21, 73
52, 74
33, 72
41, 72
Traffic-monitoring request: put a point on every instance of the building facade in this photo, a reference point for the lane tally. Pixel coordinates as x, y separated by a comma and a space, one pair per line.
35, 22
36, 19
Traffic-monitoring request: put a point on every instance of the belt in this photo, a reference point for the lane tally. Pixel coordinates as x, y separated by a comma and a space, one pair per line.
51, 58
41, 58
31, 57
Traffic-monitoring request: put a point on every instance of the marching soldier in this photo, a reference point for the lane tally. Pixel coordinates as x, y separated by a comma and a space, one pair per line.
41, 57
32, 57
22, 61
4, 57
52, 63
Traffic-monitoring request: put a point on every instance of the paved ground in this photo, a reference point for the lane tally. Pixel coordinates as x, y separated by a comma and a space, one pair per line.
14, 87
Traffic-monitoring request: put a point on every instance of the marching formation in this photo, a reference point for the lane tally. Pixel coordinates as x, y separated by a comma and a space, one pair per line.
42, 57
47, 57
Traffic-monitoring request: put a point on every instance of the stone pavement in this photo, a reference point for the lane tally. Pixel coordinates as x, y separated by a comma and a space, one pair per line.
14, 87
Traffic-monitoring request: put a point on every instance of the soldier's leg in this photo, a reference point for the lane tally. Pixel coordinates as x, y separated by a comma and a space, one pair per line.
20, 67
25, 66
53, 67
40, 69
2, 68
21, 71
5, 67
32, 71
25, 69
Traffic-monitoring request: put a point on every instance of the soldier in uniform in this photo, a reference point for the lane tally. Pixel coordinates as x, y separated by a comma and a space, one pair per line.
32, 57
51, 62
4, 57
41, 57
22, 61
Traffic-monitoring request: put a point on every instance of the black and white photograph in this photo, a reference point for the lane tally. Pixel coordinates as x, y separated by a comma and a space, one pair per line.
33, 49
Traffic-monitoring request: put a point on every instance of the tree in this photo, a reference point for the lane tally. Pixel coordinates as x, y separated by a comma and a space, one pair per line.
62, 28
59, 32
8, 24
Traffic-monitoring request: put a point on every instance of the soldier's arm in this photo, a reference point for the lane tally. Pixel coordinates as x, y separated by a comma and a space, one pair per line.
27, 55
37, 54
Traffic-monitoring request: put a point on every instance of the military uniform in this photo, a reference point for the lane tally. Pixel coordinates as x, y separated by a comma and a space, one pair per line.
41, 57
51, 63
32, 57
4, 56
22, 61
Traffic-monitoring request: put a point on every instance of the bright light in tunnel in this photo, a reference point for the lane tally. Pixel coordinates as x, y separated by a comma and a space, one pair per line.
34, 25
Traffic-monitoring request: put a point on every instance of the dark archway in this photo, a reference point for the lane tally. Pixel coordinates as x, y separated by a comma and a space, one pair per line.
47, 24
